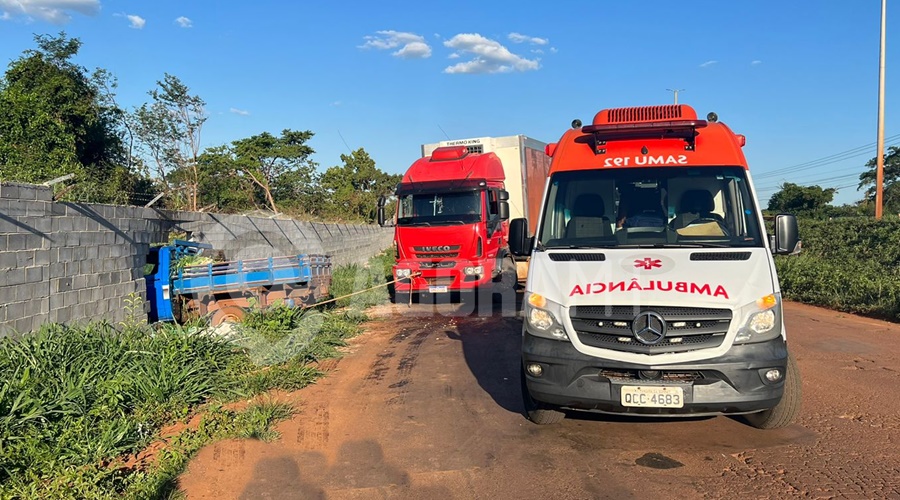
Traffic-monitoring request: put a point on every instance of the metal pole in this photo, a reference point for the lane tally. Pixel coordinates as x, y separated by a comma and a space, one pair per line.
879, 175
675, 91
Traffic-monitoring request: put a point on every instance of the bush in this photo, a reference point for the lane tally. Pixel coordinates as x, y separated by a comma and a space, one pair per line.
850, 264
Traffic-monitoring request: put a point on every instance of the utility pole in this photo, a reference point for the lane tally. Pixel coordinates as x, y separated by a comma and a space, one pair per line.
879, 173
675, 91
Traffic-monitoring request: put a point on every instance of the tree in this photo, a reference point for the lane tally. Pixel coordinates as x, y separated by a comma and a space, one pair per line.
168, 131
279, 166
56, 119
891, 187
353, 188
793, 198
221, 188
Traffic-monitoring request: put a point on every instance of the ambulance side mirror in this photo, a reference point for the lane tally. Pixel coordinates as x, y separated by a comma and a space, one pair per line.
519, 241
787, 235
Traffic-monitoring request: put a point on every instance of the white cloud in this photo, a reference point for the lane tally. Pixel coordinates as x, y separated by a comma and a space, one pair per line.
488, 56
137, 22
454, 55
184, 22
553, 50
411, 45
242, 112
414, 50
53, 11
755, 62
520, 38
708, 64
537, 51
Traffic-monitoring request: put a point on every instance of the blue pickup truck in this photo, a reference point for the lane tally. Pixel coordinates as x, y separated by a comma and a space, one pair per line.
224, 290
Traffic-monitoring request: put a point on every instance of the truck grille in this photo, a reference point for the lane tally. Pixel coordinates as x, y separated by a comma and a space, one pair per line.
437, 252
688, 328
440, 281
441, 264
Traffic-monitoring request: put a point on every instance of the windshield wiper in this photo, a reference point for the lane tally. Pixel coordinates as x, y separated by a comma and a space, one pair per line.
420, 223
576, 247
674, 245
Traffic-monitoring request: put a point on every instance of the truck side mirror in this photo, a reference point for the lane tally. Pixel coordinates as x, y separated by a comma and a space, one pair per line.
381, 202
519, 241
503, 195
787, 235
504, 210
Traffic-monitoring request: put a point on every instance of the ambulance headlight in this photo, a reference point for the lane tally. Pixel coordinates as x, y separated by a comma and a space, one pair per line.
761, 320
541, 317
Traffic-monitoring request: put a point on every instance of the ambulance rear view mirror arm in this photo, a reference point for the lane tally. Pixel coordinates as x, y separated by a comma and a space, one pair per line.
519, 242
787, 235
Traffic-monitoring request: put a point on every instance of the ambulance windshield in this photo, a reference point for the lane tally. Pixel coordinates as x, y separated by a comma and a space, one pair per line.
703, 206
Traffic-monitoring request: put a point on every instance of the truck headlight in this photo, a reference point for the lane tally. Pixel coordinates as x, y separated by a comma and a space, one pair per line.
761, 320
403, 273
473, 270
541, 317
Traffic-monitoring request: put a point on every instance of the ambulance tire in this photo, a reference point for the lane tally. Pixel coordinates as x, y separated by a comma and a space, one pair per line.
784, 413
539, 413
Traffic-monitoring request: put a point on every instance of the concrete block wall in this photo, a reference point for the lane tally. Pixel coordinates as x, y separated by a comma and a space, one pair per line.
73, 262
241, 237
69, 262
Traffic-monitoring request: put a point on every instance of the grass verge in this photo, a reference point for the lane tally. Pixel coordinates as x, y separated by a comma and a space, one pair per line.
75, 400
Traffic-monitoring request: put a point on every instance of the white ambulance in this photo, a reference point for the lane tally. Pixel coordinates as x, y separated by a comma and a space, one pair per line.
652, 287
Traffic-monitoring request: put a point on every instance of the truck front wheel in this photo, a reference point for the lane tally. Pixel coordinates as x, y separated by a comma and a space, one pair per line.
508, 278
787, 409
538, 412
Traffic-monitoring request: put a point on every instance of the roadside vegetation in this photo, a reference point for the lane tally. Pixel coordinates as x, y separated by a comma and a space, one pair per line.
850, 261
82, 406
847, 264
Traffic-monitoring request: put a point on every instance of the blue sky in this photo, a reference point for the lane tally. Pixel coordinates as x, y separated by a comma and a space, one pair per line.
799, 79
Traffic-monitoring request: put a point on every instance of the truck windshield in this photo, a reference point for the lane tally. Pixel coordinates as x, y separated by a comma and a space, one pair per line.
678, 207
462, 207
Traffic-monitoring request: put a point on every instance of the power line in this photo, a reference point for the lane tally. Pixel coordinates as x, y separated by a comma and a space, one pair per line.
345, 142
826, 160
818, 180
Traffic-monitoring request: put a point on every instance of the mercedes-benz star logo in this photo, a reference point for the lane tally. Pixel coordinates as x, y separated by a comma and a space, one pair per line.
649, 328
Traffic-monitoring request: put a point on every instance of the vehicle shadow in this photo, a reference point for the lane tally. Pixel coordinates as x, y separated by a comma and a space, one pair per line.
490, 332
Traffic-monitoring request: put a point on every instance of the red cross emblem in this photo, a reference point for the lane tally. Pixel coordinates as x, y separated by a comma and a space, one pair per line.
648, 263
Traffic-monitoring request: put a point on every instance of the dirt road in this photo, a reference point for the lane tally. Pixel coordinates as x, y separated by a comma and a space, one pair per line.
427, 405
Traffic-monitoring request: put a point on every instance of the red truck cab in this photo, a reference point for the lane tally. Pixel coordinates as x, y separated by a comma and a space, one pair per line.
452, 229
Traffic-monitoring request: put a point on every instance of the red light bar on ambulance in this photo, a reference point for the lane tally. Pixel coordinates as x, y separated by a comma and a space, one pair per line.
648, 122
449, 153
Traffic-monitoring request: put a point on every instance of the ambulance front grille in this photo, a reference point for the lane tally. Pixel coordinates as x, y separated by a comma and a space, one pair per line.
687, 328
